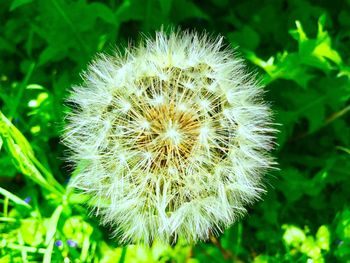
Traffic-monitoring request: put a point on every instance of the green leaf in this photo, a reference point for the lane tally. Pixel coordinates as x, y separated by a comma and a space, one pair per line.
130, 10
293, 235
103, 12
32, 231
185, 9
323, 237
311, 249
291, 184
17, 3
166, 6
298, 33
343, 225
24, 159
246, 38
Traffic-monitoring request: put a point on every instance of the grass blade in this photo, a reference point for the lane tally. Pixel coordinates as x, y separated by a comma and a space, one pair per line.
52, 225
13, 197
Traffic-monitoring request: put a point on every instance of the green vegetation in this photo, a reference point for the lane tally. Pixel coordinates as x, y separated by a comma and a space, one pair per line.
299, 48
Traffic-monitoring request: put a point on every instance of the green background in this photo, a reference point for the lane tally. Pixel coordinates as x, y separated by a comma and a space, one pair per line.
300, 50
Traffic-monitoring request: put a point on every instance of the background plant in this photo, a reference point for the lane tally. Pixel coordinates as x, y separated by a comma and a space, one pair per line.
300, 50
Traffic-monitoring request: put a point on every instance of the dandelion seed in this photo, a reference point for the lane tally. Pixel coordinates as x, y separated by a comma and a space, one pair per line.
171, 140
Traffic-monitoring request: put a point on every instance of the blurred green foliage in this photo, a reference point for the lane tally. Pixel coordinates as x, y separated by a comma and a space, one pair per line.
299, 48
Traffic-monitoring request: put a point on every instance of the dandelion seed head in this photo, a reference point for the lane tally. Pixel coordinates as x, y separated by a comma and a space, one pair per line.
171, 139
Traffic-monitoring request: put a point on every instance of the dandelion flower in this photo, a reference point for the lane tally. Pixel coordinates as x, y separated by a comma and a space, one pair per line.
170, 140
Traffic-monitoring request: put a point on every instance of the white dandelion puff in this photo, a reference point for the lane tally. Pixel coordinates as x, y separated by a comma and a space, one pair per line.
171, 139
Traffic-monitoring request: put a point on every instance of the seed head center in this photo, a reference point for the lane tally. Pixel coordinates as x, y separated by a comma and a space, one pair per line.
171, 136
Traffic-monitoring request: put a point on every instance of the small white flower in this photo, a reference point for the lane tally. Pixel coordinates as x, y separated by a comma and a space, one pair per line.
171, 140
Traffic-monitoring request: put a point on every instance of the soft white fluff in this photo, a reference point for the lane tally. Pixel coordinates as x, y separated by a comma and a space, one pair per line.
170, 140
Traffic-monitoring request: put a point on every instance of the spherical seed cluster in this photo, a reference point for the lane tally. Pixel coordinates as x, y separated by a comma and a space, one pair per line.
170, 140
